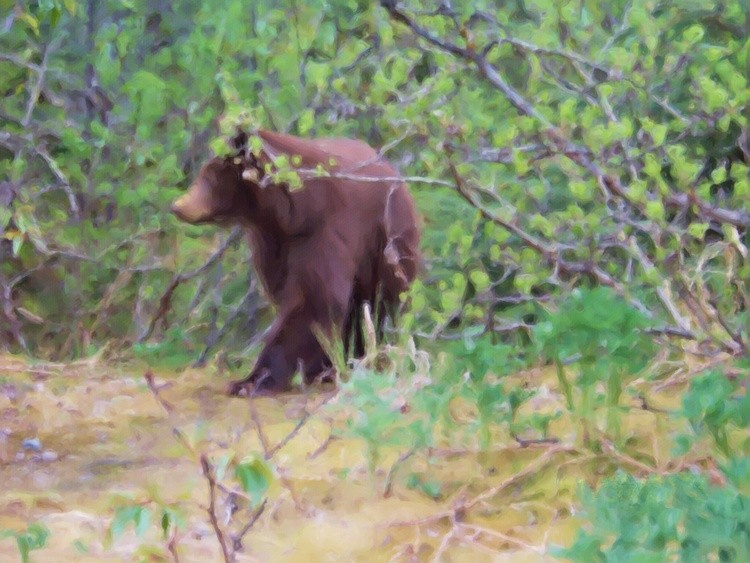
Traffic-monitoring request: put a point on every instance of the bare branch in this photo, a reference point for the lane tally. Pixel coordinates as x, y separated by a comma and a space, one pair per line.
486, 69
460, 505
16, 60
569, 55
166, 299
63, 179
309, 173
300, 423
534, 467
8, 310
662, 291
320, 449
217, 335
238, 537
550, 252
208, 473
392, 471
255, 417
505, 538
575, 153
36, 89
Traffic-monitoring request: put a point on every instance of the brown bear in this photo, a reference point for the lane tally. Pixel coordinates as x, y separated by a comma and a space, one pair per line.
348, 236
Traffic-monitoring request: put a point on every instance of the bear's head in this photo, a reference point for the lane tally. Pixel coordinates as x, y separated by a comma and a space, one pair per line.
221, 193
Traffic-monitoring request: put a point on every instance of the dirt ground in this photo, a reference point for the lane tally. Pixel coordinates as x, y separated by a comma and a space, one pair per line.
97, 438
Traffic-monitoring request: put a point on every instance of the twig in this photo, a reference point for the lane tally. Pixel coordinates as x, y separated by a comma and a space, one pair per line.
310, 173
671, 331
63, 179
465, 192
266, 450
549, 252
534, 467
237, 538
172, 546
168, 410
229, 555
570, 55
391, 473
258, 426
437, 556
180, 435
8, 310
300, 423
704, 310
573, 152
662, 291
35, 91
462, 506
735, 335
680, 378
525, 443
320, 449
216, 336
121, 280
502, 537
19, 61
610, 450
166, 298
211, 509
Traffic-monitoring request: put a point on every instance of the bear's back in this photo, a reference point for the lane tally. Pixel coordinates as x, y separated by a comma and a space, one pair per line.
334, 153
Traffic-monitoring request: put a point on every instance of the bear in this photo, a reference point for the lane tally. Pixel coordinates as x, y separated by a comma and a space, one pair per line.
347, 237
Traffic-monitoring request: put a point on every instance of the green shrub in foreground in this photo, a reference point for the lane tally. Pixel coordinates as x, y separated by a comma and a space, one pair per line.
676, 517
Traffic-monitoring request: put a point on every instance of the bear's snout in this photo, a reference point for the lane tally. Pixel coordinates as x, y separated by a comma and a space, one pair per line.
190, 209
176, 209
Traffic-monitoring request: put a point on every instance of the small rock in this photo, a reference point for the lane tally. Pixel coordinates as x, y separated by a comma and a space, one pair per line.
32, 444
20, 456
49, 455
9, 391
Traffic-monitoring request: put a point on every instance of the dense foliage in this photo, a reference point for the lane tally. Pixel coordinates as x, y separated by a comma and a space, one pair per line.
591, 145
582, 170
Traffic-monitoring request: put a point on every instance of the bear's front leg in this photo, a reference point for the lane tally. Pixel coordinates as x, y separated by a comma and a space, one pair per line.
273, 373
290, 342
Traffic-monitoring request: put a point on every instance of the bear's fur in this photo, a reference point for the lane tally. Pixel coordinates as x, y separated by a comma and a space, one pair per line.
345, 238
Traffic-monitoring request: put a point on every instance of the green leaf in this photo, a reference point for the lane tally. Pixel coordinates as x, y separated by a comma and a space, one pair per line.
221, 465
34, 537
655, 210
18, 241
480, 279
31, 21
142, 520
54, 17
698, 230
124, 515
582, 191
659, 134
166, 523
255, 477
305, 122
